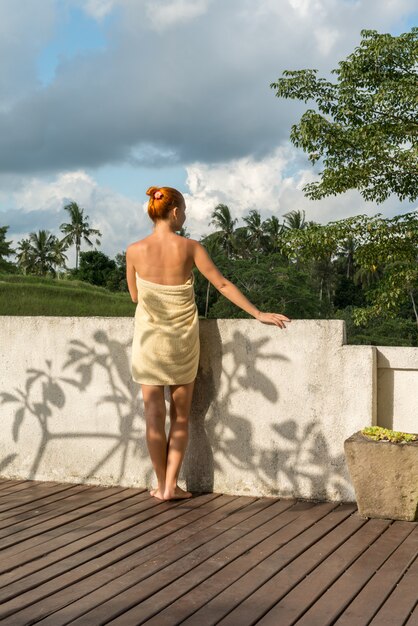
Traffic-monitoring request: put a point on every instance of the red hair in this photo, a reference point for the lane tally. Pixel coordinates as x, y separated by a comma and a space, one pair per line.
167, 198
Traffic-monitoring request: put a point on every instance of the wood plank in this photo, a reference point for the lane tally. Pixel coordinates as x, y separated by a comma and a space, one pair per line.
294, 603
21, 507
87, 531
159, 589
94, 600
278, 585
19, 486
9, 484
32, 491
413, 620
74, 508
73, 490
335, 598
221, 508
294, 550
74, 584
137, 520
401, 602
97, 538
127, 558
249, 507
362, 609
307, 528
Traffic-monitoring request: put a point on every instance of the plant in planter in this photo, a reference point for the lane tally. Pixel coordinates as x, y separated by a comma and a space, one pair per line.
383, 466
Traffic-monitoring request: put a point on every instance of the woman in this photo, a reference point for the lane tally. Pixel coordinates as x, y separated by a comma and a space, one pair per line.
165, 347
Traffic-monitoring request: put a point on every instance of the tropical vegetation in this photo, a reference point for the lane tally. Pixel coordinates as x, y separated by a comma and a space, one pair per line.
363, 269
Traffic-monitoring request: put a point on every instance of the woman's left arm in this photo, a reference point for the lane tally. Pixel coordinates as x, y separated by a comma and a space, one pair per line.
130, 276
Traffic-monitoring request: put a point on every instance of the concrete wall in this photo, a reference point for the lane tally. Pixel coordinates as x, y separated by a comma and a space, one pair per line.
271, 406
397, 388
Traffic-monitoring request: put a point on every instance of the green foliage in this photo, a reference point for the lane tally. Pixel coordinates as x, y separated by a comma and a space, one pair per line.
269, 285
361, 269
95, 268
34, 295
379, 331
365, 126
387, 245
78, 229
385, 434
5, 250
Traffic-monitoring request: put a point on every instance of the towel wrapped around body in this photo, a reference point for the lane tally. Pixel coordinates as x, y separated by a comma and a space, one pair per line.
165, 346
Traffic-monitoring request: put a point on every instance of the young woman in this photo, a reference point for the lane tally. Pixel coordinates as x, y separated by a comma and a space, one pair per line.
165, 346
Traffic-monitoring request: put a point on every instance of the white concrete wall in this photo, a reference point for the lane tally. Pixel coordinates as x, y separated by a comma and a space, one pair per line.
271, 406
397, 388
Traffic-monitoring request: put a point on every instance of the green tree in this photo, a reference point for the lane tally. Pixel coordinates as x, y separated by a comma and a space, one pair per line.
274, 234
5, 250
44, 254
222, 220
255, 232
294, 219
95, 268
23, 255
365, 128
271, 286
116, 278
78, 229
385, 253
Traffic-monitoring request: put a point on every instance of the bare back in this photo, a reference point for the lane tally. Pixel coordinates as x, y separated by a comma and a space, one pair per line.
167, 260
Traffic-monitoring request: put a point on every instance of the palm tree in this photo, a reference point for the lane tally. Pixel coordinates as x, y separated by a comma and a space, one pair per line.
295, 219
23, 255
367, 276
58, 249
221, 218
42, 253
78, 229
5, 249
255, 231
274, 231
346, 253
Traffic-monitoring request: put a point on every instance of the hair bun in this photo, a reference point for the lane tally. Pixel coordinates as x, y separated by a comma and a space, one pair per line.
151, 191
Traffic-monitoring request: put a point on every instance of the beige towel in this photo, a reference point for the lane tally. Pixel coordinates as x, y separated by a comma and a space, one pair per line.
165, 346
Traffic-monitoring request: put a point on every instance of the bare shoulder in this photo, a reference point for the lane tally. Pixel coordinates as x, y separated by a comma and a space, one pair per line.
194, 245
136, 245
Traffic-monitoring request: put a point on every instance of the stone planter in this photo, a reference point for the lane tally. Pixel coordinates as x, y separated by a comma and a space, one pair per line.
385, 477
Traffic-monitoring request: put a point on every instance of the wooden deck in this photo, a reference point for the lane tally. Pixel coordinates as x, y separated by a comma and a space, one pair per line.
88, 555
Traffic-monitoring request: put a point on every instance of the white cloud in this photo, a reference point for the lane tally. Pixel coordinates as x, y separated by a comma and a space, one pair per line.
98, 9
266, 186
120, 219
198, 90
166, 13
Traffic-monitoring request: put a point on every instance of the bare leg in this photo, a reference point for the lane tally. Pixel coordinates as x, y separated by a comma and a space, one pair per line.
181, 400
155, 414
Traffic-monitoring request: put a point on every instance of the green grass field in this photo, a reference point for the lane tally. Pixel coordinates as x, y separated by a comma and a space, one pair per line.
33, 295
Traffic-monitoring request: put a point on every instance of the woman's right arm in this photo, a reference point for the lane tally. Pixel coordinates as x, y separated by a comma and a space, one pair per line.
206, 266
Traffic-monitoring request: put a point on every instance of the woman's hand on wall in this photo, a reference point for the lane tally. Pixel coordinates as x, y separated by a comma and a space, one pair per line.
273, 318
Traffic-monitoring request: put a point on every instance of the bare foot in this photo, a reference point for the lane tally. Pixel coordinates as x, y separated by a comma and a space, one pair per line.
157, 493
176, 494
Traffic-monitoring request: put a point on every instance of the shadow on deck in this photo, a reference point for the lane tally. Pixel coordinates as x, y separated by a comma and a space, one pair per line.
83, 554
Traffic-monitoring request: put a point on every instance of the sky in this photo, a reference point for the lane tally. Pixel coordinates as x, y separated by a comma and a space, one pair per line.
100, 99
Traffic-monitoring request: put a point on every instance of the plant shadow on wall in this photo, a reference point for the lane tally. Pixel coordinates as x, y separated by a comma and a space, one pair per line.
298, 460
220, 437
44, 395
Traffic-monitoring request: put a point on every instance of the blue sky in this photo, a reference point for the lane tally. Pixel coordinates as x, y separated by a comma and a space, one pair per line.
102, 98
75, 34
